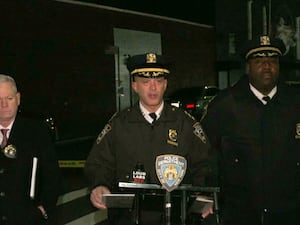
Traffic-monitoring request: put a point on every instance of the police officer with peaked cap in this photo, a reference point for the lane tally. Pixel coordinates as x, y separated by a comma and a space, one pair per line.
133, 138
254, 129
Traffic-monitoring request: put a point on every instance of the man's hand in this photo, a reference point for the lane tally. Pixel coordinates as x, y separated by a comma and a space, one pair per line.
207, 212
96, 196
43, 211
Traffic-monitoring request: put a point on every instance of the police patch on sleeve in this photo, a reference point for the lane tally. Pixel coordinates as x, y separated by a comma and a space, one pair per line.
198, 131
105, 130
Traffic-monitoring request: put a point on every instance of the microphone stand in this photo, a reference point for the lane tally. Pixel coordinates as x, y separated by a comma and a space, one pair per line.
137, 207
216, 207
168, 207
183, 207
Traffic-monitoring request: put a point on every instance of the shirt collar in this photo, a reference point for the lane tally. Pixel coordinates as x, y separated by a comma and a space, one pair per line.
259, 95
145, 112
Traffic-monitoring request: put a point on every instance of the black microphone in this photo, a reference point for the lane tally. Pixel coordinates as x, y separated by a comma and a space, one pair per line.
139, 174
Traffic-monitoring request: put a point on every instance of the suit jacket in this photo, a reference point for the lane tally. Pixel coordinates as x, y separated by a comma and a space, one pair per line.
31, 139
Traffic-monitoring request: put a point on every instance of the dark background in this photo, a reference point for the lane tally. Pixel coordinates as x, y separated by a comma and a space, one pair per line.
56, 50
200, 11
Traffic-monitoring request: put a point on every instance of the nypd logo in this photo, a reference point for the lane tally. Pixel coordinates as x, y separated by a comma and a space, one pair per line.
170, 170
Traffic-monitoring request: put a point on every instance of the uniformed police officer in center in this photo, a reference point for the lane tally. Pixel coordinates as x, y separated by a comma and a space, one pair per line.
134, 137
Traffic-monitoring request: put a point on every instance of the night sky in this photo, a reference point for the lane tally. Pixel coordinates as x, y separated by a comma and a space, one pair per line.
198, 11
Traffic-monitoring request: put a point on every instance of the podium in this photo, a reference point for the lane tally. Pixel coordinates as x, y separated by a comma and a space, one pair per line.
183, 190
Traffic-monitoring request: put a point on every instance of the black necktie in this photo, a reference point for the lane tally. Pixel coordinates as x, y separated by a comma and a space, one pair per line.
266, 98
153, 116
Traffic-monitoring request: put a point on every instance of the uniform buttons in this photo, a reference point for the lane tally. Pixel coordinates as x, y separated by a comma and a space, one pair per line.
2, 194
265, 210
1, 171
297, 163
236, 160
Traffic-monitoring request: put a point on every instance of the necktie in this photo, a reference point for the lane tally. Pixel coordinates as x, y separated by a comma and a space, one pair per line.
266, 98
4, 139
153, 116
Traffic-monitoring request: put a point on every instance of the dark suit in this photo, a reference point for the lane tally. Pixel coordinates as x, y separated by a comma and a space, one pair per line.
31, 139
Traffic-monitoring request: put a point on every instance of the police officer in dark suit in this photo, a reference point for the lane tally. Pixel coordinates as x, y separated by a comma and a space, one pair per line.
134, 138
254, 126
29, 174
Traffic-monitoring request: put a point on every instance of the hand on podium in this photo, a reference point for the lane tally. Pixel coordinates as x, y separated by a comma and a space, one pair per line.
96, 197
202, 205
197, 218
207, 212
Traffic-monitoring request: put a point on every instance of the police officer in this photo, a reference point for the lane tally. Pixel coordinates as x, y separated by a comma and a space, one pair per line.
135, 137
254, 126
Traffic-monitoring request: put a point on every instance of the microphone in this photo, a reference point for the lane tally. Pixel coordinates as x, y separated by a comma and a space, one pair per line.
139, 174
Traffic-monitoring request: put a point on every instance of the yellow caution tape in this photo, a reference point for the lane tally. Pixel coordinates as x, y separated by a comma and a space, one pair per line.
71, 163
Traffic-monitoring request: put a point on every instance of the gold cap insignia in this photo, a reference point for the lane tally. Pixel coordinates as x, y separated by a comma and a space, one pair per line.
265, 40
151, 58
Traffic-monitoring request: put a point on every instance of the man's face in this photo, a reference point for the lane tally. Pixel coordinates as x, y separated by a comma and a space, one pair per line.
9, 102
150, 91
263, 72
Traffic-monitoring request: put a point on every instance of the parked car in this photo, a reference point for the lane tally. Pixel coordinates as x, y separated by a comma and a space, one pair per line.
193, 99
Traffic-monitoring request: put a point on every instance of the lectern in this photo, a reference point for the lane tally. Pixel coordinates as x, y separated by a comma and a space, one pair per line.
184, 191
170, 170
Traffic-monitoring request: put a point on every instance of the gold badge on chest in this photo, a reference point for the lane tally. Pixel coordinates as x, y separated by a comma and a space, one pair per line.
10, 151
172, 138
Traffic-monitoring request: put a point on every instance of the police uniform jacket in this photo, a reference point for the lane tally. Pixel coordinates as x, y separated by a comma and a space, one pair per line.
129, 139
30, 139
257, 146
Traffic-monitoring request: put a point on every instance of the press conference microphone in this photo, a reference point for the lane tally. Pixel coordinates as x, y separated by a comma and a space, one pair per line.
139, 174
